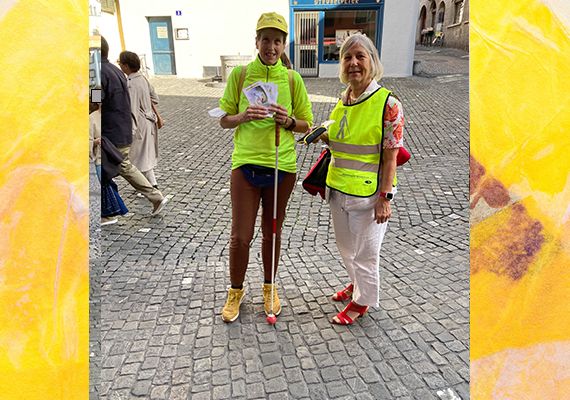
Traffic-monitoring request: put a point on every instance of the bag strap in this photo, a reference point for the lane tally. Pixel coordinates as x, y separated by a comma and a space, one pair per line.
291, 84
292, 88
240, 84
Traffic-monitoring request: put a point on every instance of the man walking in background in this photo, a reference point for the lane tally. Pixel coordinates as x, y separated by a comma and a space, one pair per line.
117, 126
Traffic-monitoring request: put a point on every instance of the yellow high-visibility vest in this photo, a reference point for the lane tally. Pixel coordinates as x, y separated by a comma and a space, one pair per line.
355, 140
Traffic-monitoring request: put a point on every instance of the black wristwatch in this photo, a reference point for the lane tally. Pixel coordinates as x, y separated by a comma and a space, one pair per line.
388, 196
293, 124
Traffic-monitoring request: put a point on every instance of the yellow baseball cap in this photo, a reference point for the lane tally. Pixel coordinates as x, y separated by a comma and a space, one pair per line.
272, 20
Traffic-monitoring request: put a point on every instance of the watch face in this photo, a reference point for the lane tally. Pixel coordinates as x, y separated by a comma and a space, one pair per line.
389, 196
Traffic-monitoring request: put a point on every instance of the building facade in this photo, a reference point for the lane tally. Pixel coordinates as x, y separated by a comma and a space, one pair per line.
94, 43
176, 37
447, 17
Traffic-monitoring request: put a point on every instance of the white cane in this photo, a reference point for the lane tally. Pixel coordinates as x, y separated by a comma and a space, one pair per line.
271, 318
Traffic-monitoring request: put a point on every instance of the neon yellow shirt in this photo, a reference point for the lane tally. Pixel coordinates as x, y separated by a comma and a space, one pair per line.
254, 142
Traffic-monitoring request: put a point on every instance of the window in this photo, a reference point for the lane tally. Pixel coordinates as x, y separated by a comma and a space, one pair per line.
364, 17
108, 6
94, 11
341, 24
458, 11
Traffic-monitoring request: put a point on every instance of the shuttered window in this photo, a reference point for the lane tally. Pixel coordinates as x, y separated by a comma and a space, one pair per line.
108, 6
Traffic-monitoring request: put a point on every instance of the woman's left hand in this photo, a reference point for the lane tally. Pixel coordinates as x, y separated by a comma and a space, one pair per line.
280, 113
97, 142
160, 122
382, 211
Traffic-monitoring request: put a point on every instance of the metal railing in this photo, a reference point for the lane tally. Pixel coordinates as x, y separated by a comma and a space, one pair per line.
144, 68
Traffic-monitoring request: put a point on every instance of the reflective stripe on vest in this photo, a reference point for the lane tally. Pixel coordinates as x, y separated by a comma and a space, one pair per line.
356, 142
356, 165
357, 149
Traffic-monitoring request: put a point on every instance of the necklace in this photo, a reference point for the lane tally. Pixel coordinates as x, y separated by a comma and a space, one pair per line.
351, 98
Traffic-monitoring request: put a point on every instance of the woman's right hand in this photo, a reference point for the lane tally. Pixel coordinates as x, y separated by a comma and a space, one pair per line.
160, 122
254, 113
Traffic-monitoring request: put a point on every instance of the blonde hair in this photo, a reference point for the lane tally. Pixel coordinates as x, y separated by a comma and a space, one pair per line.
377, 69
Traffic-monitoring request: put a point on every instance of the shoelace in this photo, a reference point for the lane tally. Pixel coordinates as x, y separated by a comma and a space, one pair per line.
232, 297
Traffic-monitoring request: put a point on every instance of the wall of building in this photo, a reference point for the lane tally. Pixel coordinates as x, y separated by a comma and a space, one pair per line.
397, 51
456, 35
108, 28
214, 29
228, 28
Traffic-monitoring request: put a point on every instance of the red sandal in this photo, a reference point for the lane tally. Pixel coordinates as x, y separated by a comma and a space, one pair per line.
341, 295
345, 319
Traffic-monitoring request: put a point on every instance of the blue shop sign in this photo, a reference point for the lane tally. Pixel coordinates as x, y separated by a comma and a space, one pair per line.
334, 3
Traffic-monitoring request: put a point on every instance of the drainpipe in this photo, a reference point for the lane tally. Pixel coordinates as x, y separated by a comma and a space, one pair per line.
120, 24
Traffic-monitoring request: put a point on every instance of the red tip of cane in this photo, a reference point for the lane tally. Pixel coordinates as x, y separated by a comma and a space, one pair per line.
271, 319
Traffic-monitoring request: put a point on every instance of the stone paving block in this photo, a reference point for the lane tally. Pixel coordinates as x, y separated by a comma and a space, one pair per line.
412, 381
201, 396
273, 371
312, 377
318, 392
179, 392
435, 381
337, 389
222, 392
141, 388
159, 393
274, 385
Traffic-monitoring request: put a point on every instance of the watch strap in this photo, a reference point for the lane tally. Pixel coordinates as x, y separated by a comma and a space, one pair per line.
293, 124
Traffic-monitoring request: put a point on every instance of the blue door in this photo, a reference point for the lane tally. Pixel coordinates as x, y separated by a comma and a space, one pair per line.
162, 45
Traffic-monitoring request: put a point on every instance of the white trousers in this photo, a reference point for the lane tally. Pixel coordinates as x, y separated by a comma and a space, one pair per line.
359, 239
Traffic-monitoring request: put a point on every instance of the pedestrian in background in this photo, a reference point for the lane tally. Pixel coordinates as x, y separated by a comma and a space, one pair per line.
95, 133
117, 126
112, 204
361, 177
253, 158
144, 148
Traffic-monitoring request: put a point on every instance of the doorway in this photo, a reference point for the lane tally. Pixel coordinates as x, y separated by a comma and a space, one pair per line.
162, 45
306, 43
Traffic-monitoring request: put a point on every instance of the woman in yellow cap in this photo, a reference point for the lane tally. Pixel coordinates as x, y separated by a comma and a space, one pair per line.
253, 158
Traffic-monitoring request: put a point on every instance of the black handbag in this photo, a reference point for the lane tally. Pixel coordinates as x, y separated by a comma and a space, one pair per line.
315, 181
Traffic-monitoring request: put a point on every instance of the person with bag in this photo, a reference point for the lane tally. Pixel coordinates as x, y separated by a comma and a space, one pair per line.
95, 133
112, 204
108, 161
117, 126
253, 158
144, 149
364, 140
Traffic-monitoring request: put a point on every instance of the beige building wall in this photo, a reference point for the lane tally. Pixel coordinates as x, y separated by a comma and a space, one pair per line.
456, 32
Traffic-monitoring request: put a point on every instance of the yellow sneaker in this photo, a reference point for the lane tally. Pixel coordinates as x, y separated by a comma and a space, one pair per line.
267, 297
231, 309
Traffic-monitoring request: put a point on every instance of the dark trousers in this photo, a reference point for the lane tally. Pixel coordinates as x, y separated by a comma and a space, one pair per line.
245, 204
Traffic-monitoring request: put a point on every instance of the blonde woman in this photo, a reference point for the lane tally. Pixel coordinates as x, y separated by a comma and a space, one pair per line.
364, 143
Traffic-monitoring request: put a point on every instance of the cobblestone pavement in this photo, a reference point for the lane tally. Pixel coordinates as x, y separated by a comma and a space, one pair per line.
441, 60
94, 283
164, 279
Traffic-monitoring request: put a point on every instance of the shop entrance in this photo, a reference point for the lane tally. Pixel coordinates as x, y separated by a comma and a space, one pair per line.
306, 43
